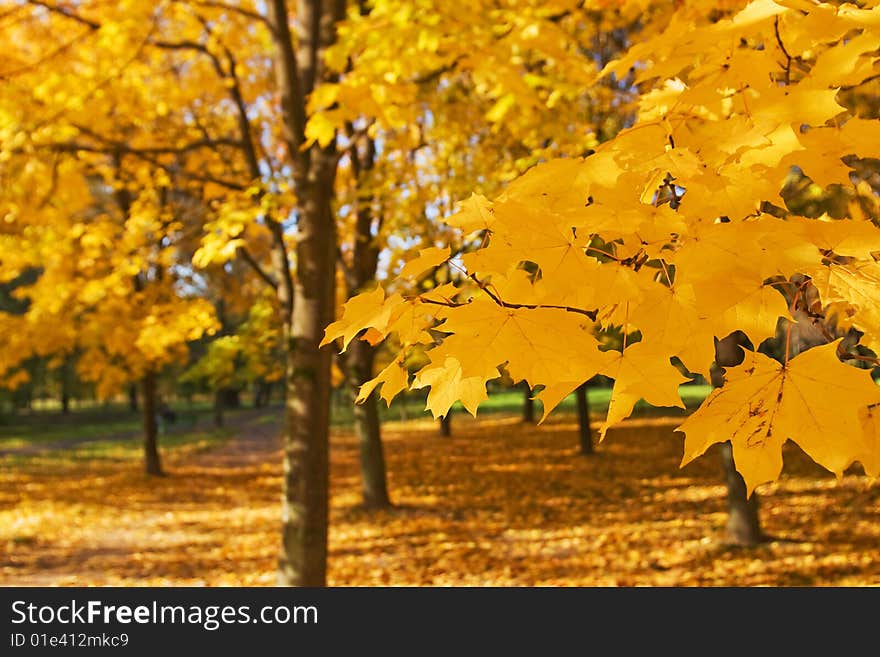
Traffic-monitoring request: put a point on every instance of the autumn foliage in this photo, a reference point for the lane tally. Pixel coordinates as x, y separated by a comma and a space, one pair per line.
395, 195
674, 234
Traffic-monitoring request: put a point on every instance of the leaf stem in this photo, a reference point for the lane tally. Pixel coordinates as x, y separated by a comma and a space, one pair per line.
790, 324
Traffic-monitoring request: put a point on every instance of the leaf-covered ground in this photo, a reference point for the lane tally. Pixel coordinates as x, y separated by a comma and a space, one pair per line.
500, 503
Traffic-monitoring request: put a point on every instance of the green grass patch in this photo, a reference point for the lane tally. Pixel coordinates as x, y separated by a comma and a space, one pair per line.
506, 401
120, 449
28, 433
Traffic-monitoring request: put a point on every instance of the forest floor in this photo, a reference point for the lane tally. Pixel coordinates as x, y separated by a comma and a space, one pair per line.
501, 503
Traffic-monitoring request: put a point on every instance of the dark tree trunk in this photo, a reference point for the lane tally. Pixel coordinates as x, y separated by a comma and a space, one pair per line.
133, 398
743, 522
152, 463
528, 415
66, 380
261, 393
230, 397
585, 431
359, 272
218, 409
374, 487
446, 424
225, 398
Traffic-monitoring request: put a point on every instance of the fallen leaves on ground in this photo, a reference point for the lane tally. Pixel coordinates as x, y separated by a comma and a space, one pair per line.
500, 503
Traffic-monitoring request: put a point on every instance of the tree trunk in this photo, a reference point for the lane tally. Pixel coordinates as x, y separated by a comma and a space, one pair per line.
303, 560
446, 424
307, 298
585, 431
133, 398
374, 486
218, 409
230, 397
66, 380
404, 412
261, 388
528, 404
359, 272
152, 464
65, 396
743, 522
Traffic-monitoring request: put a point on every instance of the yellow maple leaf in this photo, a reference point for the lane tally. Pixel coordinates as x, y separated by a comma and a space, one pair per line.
640, 373
870, 458
393, 379
539, 345
449, 384
427, 259
474, 213
857, 284
367, 310
813, 400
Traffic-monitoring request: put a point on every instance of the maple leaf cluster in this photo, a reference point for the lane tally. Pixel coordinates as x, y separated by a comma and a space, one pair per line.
673, 235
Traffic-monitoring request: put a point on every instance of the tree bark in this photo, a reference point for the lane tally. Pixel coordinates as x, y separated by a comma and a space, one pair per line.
218, 409
585, 431
743, 522
374, 486
299, 64
303, 558
528, 415
152, 463
446, 424
261, 393
65, 386
359, 272
133, 398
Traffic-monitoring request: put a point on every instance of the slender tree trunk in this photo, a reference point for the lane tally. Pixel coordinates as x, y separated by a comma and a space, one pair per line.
218, 409
65, 387
230, 397
404, 412
446, 424
261, 389
528, 404
585, 431
152, 463
359, 272
743, 525
743, 522
374, 485
133, 398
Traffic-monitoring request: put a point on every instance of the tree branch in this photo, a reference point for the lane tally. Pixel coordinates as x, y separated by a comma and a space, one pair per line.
516, 306
262, 273
788, 57
242, 11
289, 85
67, 13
